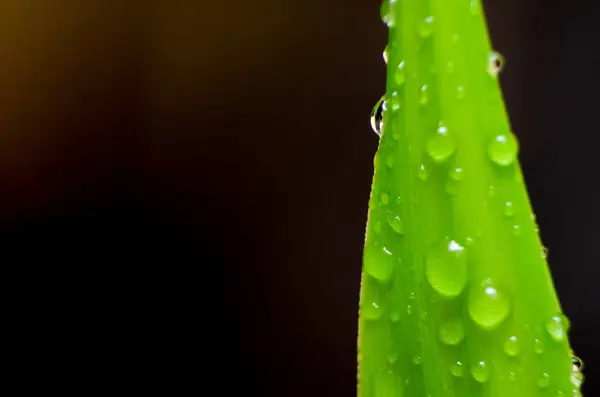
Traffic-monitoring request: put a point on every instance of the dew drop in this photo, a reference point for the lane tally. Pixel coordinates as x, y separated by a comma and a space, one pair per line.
417, 360
409, 309
577, 363
557, 327
538, 346
441, 146
480, 372
457, 174
495, 63
386, 55
384, 198
388, 12
511, 346
512, 376
400, 74
488, 306
544, 252
446, 268
491, 190
503, 149
509, 209
452, 332
460, 92
544, 380
377, 116
576, 378
516, 230
469, 241
396, 224
372, 310
457, 369
423, 174
378, 263
426, 27
424, 95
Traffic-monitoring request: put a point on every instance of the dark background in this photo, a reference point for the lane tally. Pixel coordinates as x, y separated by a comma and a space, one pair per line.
196, 175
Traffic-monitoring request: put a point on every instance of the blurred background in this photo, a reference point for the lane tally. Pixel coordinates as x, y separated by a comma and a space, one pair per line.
205, 167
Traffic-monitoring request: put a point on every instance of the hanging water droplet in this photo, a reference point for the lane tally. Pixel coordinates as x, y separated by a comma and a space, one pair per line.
495, 63
452, 332
441, 146
488, 306
509, 209
423, 174
544, 380
503, 149
393, 101
457, 174
457, 369
400, 75
424, 95
377, 116
511, 346
480, 372
557, 327
386, 55
460, 92
388, 14
426, 27
396, 224
446, 268
538, 346
577, 363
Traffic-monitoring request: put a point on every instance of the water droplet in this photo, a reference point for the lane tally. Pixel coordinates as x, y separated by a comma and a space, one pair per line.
377, 227
396, 224
378, 262
557, 327
516, 229
392, 358
457, 369
426, 27
544, 380
377, 116
480, 372
386, 55
390, 161
488, 306
457, 174
576, 378
512, 376
469, 241
503, 149
452, 332
538, 346
400, 74
441, 146
446, 268
423, 174
460, 92
424, 95
511, 346
491, 190
393, 101
371, 310
474, 7
577, 363
417, 360
509, 209
388, 15
450, 67
409, 309
495, 63
544, 252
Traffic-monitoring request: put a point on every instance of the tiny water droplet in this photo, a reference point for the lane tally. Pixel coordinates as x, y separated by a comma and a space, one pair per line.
516, 229
460, 92
417, 360
480, 372
509, 209
544, 252
426, 27
390, 161
384, 198
423, 174
377, 227
392, 358
386, 55
495, 63
488, 306
457, 174
503, 149
452, 332
544, 380
474, 7
512, 376
409, 309
491, 190
372, 311
393, 101
388, 15
557, 327
538, 346
457, 369
446, 268
377, 116
395, 317
424, 95
441, 146
400, 74
469, 241
396, 224
511, 346
576, 378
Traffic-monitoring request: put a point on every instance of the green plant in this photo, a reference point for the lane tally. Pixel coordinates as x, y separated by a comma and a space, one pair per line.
456, 296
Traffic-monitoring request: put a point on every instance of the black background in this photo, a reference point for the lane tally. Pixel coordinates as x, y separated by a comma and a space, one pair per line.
194, 176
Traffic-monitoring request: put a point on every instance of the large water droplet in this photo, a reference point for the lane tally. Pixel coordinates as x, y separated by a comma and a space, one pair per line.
388, 14
377, 116
426, 27
452, 332
488, 306
544, 380
503, 149
378, 263
396, 224
557, 327
400, 74
480, 371
495, 63
446, 268
441, 146
511, 346
457, 369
